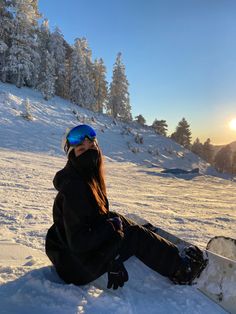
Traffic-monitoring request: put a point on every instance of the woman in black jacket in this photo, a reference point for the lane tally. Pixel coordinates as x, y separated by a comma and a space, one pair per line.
87, 240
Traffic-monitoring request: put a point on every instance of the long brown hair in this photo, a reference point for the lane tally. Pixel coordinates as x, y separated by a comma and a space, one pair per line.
97, 185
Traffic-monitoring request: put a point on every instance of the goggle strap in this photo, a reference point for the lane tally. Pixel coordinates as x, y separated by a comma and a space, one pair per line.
66, 146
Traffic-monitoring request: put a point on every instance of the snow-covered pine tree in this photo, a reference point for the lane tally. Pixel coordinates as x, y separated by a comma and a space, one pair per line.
160, 127
58, 50
89, 69
27, 114
182, 135
118, 99
100, 84
87, 56
36, 57
43, 37
68, 66
81, 87
23, 51
47, 76
140, 119
34, 4
6, 25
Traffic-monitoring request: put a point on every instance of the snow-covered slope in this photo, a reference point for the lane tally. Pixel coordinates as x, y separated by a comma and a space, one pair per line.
191, 206
50, 119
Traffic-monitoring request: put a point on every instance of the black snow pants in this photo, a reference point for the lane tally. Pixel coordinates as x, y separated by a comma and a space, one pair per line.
153, 250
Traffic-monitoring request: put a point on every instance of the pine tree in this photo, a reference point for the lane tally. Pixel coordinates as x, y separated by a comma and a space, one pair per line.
160, 127
118, 101
86, 53
27, 114
6, 25
23, 51
208, 151
100, 85
34, 4
223, 159
43, 37
58, 51
197, 147
234, 162
68, 68
140, 119
47, 76
182, 135
81, 87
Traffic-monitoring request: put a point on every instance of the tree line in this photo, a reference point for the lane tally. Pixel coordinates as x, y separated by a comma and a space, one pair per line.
224, 160
182, 134
31, 55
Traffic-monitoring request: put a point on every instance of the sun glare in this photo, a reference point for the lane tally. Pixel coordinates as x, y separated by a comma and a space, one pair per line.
232, 124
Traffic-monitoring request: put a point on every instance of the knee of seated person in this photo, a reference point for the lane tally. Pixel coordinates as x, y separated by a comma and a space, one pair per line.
134, 229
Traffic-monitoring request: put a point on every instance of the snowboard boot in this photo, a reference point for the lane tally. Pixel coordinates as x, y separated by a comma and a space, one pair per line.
192, 264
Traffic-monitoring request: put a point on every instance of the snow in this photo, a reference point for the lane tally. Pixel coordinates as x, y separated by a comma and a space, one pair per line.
195, 207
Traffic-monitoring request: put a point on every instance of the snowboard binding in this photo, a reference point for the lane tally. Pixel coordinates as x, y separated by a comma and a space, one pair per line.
192, 264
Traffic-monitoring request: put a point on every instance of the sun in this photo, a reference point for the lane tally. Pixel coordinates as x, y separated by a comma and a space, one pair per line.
232, 124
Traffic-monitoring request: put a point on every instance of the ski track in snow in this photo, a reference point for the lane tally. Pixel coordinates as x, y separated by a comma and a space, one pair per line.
194, 207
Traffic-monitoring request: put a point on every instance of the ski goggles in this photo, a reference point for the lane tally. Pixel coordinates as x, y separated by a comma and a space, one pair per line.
77, 135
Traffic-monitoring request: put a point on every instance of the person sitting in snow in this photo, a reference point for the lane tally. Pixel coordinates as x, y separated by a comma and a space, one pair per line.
88, 240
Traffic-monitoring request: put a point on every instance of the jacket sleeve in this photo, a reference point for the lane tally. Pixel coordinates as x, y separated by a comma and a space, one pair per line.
79, 214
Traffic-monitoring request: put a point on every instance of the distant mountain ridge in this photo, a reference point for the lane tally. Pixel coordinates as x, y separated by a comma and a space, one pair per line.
218, 147
233, 145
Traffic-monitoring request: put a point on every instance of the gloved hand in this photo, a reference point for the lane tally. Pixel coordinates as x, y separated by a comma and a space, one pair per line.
116, 223
117, 275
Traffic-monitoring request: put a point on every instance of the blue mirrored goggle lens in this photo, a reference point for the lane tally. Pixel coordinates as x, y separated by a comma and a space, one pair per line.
78, 134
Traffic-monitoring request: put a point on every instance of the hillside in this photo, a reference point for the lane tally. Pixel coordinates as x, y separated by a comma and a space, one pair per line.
50, 119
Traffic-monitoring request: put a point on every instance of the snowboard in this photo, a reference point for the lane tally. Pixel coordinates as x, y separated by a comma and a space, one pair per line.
224, 246
217, 281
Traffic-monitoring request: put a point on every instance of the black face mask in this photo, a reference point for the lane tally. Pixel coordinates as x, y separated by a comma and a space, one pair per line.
86, 163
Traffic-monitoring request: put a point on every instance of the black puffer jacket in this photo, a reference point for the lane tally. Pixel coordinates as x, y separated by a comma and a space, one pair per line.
81, 242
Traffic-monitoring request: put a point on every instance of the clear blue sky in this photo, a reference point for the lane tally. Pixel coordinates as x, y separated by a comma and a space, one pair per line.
180, 55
